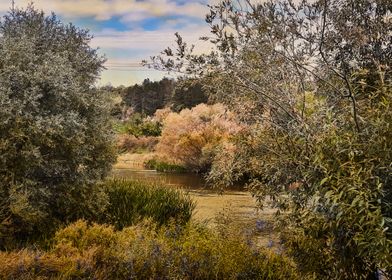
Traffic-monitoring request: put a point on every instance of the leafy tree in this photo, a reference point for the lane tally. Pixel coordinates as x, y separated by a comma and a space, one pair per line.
55, 137
187, 94
312, 79
116, 94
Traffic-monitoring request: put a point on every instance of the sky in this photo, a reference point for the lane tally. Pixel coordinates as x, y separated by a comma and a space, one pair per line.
128, 31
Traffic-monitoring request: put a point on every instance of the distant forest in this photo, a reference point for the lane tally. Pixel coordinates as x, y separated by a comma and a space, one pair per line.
150, 96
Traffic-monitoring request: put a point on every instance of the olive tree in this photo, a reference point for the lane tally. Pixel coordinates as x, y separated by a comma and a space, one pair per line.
55, 133
312, 79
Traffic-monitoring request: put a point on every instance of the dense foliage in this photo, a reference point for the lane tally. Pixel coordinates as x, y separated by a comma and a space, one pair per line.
138, 125
151, 96
144, 251
192, 136
312, 81
187, 94
55, 136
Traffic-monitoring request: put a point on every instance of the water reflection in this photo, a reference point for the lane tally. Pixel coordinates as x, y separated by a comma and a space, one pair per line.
184, 180
188, 181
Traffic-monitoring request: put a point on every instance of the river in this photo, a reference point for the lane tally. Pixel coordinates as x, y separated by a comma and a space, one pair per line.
187, 181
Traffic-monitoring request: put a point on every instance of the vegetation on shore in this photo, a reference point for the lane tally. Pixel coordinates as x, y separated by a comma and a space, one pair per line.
145, 251
132, 201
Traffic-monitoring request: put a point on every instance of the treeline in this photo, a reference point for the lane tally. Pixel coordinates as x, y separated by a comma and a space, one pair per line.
149, 96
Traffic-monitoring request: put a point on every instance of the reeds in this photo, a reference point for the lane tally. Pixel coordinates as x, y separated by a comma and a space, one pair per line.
130, 201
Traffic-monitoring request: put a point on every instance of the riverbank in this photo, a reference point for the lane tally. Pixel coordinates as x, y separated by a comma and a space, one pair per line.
132, 161
212, 207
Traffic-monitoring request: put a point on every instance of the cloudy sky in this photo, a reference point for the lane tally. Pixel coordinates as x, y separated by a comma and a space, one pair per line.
127, 31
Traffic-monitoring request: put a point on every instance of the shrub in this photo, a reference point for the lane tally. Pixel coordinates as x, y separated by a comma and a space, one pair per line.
146, 252
130, 201
138, 126
190, 137
55, 132
163, 166
132, 144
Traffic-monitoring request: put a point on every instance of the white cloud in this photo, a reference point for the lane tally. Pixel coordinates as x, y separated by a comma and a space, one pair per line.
129, 10
138, 45
125, 49
146, 39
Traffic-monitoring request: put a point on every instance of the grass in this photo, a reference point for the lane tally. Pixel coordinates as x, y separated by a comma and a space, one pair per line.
131, 201
162, 166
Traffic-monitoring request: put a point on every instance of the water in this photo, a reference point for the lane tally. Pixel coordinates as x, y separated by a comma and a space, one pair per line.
210, 203
183, 180
188, 181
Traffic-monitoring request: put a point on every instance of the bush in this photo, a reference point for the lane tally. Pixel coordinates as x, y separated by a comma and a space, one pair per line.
138, 126
56, 140
132, 144
130, 201
163, 166
146, 252
190, 138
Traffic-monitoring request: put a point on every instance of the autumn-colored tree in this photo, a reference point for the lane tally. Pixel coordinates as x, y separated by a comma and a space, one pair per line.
192, 136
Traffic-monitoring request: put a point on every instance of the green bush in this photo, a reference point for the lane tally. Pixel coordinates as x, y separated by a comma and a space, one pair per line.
138, 126
162, 166
130, 201
146, 251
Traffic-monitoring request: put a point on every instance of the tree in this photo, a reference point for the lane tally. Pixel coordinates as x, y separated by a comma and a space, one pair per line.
149, 96
55, 134
312, 79
187, 94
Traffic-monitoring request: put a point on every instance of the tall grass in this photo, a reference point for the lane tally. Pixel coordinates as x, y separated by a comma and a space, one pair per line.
130, 201
163, 166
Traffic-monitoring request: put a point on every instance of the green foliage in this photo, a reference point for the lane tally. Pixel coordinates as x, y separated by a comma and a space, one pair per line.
146, 252
162, 166
131, 201
55, 133
330, 183
138, 126
151, 96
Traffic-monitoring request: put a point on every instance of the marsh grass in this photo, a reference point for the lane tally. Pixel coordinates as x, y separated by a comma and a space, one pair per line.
131, 201
163, 166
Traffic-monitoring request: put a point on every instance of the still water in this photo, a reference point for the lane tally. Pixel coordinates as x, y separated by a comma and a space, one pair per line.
183, 180
189, 181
